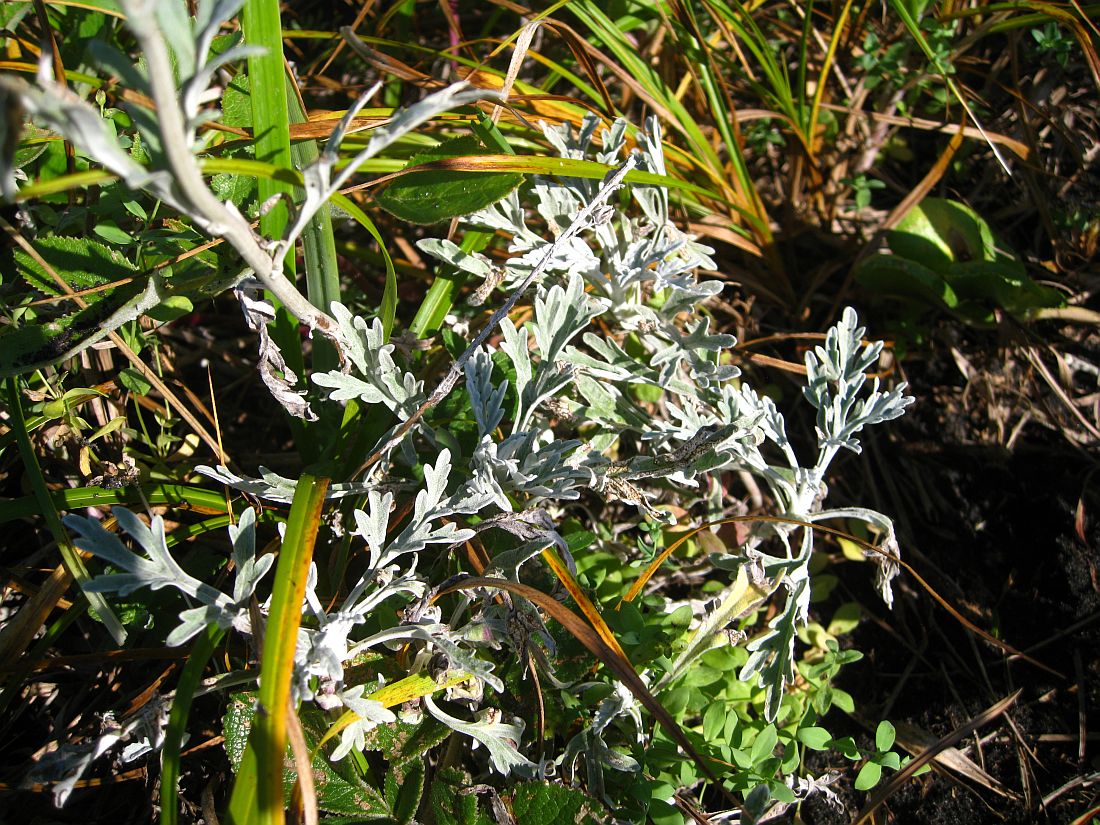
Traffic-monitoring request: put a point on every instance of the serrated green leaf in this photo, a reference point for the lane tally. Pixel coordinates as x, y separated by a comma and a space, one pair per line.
550, 804
81, 262
335, 794
438, 195
409, 790
448, 805
401, 742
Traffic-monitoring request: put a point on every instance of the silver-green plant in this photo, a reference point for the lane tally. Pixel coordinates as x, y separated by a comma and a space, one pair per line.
618, 390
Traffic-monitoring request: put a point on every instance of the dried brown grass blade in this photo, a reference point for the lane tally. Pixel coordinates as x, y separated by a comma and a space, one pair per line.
902, 776
1018, 148
931, 178
916, 740
583, 602
304, 799
580, 52
17, 635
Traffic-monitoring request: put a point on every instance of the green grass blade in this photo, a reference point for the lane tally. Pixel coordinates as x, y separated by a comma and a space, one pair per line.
839, 27
913, 28
205, 645
388, 310
627, 55
261, 25
180, 495
258, 797
318, 243
69, 555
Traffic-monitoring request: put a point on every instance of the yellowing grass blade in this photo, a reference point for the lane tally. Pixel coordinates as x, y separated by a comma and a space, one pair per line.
258, 790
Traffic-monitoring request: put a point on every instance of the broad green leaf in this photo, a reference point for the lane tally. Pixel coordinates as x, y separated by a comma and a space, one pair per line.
814, 738
868, 776
895, 275
334, 793
939, 232
81, 262
884, 736
1002, 284
549, 804
437, 195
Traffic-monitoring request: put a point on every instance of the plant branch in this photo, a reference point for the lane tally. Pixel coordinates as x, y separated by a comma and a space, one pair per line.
590, 214
218, 219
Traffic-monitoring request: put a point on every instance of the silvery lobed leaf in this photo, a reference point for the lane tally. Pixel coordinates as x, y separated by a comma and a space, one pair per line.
159, 570
499, 738
486, 401
450, 253
370, 712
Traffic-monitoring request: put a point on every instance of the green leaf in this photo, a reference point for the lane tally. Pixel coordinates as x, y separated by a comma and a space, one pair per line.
258, 792
895, 275
714, 721
134, 381
403, 792
175, 734
814, 738
334, 793
890, 760
261, 24
1002, 284
550, 804
437, 195
764, 744
884, 736
938, 232
846, 619
449, 806
173, 307
401, 742
81, 262
843, 700
112, 234
847, 747
868, 776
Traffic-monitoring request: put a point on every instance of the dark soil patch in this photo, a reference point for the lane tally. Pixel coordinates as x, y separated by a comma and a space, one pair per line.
995, 532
